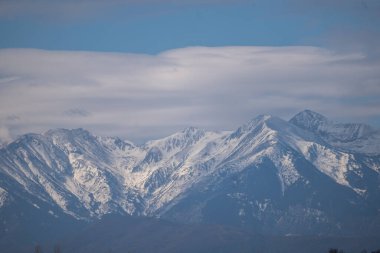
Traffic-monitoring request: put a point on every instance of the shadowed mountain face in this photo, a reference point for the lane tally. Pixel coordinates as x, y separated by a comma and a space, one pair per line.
308, 176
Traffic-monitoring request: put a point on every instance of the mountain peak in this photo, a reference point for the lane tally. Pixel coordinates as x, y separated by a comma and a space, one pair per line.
259, 119
67, 135
64, 131
308, 119
311, 113
349, 136
310, 116
178, 140
258, 123
266, 119
191, 130
190, 133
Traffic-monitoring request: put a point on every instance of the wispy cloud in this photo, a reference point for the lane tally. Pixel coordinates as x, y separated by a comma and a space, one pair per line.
147, 96
76, 112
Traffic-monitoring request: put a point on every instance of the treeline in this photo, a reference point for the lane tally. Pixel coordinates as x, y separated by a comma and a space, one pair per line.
363, 251
56, 249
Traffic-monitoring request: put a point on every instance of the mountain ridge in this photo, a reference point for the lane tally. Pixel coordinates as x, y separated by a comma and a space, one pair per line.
352, 137
269, 175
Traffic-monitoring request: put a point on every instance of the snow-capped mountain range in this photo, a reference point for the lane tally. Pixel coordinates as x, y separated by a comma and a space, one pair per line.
306, 175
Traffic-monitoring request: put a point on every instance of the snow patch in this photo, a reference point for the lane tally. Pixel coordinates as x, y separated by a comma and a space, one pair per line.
3, 196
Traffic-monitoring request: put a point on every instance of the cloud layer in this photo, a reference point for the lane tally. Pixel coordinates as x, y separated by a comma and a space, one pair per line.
140, 97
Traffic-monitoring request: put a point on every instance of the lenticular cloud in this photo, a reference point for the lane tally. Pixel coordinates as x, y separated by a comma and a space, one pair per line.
147, 96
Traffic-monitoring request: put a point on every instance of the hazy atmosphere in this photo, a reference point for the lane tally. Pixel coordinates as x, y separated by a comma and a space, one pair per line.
222, 126
144, 69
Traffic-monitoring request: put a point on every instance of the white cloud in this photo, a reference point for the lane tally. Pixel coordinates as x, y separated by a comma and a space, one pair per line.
144, 96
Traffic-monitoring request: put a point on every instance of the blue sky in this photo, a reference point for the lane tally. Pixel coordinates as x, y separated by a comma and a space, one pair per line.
144, 69
156, 26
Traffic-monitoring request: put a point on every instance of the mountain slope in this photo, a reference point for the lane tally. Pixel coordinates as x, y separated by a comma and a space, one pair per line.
269, 176
279, 178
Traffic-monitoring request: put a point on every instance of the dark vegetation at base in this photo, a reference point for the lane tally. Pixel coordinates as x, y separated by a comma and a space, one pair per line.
121, 234
363, 251
57, 249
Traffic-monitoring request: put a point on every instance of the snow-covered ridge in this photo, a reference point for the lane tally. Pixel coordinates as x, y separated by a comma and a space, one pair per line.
89, 176
352, 137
